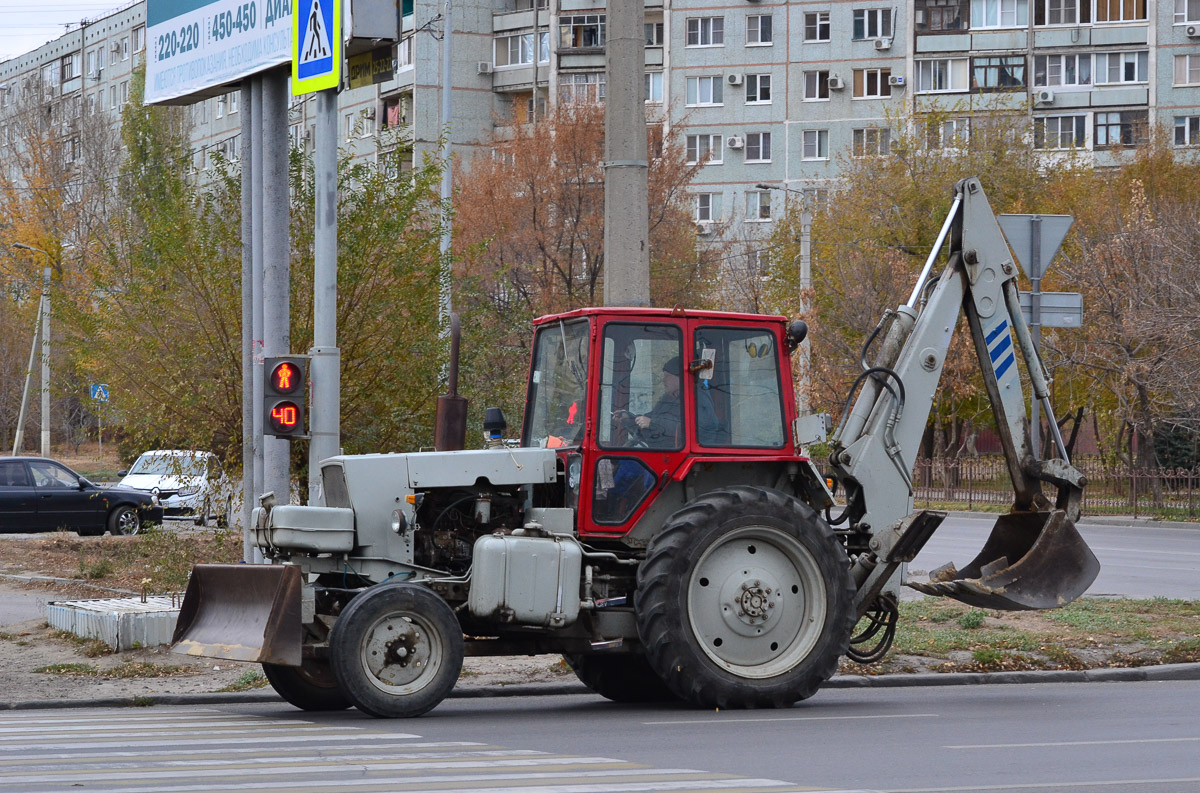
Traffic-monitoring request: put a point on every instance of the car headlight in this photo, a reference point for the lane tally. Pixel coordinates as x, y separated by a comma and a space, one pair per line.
188, 492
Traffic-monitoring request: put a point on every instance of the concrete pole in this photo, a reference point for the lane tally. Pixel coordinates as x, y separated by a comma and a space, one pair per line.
325, 415
1035, 268
248, 301
256, 278
445, 299
276, 260
19, 440
626, 171
46, 361
805, 303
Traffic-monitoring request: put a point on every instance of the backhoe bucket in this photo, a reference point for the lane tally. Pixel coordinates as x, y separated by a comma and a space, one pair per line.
1034, 560
242, 612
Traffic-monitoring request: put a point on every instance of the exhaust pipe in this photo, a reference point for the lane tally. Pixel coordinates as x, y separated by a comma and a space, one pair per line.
450, 425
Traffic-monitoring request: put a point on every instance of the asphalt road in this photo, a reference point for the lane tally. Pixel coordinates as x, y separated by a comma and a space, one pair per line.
1081, 738
1138, 559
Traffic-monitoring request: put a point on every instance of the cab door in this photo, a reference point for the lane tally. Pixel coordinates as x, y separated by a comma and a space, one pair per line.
640, 433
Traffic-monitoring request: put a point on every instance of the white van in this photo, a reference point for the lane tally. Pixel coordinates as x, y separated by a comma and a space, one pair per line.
189, 484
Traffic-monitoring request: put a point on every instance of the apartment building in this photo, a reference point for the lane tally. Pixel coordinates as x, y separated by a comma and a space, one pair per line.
763, 92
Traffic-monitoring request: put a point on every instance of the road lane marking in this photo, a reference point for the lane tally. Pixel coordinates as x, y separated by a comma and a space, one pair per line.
1071, 743
1118, 783
792, 718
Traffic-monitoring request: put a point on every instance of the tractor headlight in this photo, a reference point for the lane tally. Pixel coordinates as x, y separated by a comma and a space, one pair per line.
574, 475
399, 522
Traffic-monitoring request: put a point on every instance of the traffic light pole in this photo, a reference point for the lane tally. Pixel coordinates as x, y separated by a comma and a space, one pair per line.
276, 260
249, 404
325, 411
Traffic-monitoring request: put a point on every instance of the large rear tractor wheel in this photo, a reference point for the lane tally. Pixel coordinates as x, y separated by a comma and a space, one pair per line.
397, 650
622, 678
309, 687
745, 600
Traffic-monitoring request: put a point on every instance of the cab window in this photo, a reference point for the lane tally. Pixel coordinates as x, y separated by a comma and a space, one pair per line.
640, 400
555, 407
742, 403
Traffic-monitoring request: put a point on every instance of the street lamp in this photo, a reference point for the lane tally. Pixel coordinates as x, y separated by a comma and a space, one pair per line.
44, 317
805, 274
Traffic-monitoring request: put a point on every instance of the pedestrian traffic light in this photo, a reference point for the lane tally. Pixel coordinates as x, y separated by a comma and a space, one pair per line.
285, 396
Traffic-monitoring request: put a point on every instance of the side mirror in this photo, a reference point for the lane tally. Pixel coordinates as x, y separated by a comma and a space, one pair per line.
84, 484
796, 333
122, 472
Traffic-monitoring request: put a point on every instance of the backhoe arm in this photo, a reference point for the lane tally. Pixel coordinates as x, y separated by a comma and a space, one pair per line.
1035, 558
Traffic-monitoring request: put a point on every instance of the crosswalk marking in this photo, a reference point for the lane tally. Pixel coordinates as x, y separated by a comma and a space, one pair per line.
129, 752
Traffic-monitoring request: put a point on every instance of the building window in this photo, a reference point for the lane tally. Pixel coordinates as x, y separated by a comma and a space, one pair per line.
1062, 70
943, 75
706, 32
708, 207
703, 148
1187, 70
816, 86
872, 23
935, 16
220, 107
581, 31
581, 88
1000, 73
70, 65
948, 133
816, 26
232, 96
404, 51
139, 38
1059, 132
758, 89
91, 104
349, 126
1062, 12
871, 142
758, 147
759, 32
1187, 11
517, 50
51, 73
704, 90
1000, 13
124, 92
1122, 67
758, 205
654, 87
1120, 10
1123, 128
124, 48
1187, 130
112, 97
654, 34
872, 83
815, 144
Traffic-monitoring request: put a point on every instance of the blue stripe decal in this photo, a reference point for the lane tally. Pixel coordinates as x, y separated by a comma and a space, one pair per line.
1003, 367
991, 337
1004, 346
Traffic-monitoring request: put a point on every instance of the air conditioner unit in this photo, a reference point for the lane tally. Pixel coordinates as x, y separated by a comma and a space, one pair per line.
735, 79
1043, 97
836, 83
1193, 31
883, 44
735, 142
483, 67
369, 112
897, 80
704, 229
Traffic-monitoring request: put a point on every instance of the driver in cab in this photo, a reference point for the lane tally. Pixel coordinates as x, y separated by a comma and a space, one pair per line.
660, 428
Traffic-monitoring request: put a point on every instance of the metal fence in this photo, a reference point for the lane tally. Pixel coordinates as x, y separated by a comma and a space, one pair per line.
1111, 490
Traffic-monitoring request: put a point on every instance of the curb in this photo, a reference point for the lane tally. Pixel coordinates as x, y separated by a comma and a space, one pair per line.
1160, 673
1101, 520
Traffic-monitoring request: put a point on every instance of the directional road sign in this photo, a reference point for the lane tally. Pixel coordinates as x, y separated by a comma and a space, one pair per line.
1019, 231
316, 45
100, 392
1059, 309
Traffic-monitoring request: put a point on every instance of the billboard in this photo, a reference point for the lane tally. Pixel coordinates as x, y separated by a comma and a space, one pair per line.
199, 48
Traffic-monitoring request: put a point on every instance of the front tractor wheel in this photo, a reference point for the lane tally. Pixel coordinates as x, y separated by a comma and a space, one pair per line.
309, 687
396, 650
745, 600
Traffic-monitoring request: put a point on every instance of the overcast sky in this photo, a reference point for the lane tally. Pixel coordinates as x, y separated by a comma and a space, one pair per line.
28, 24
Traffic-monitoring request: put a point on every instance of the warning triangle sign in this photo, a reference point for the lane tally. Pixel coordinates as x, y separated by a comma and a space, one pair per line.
316, 38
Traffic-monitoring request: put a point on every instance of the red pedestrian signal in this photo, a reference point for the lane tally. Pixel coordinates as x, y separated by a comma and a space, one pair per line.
285, 396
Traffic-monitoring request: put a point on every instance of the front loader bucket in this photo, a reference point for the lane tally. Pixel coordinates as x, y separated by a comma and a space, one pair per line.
242, 612
1033, 560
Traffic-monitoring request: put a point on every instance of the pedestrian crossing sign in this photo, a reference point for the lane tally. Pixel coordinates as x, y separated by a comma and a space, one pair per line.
316, 45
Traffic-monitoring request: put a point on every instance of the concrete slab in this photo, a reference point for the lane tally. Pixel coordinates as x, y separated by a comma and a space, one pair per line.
121, 623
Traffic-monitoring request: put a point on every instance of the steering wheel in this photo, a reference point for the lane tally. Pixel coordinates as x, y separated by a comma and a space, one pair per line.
626, 422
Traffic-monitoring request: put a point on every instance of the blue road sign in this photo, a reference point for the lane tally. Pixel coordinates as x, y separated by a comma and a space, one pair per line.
316, 54
100, 392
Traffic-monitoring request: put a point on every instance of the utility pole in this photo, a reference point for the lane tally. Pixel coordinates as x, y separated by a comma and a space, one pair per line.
44, 311
445, 302
626, 170
325, 370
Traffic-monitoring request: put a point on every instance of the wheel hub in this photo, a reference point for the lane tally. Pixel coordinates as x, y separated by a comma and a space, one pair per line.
756, 601
397, 652
751, 601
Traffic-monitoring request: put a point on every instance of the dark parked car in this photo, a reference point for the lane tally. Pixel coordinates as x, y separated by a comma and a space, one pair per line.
37, 494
